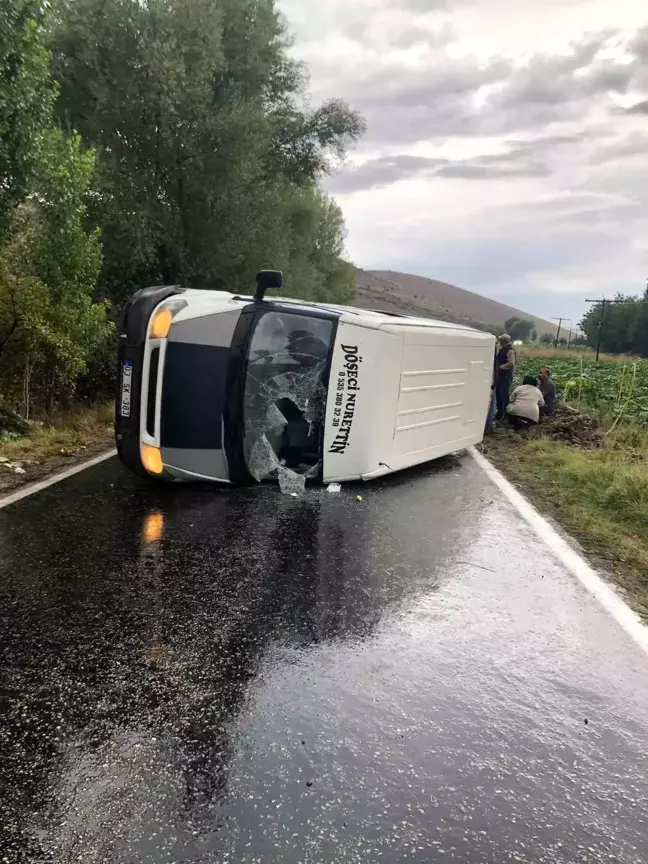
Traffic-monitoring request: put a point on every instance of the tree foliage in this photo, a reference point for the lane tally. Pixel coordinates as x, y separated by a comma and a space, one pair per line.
49, 261
49, 265
519, 328
146, 142
27, 93
206, 161
623, 325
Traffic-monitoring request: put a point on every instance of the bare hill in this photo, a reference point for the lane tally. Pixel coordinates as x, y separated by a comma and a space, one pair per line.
384, 290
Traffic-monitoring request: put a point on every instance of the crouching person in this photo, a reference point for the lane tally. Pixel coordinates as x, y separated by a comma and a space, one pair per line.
523, 410
547, 387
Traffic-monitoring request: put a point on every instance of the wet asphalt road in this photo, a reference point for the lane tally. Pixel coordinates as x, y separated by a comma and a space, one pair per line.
202, 676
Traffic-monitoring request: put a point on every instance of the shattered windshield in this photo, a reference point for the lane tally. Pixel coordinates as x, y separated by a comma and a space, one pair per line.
285, 397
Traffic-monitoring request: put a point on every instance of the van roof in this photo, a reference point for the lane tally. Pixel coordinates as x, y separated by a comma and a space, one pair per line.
374, 315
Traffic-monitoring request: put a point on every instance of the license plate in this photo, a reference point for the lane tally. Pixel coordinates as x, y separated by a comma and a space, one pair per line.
127, 387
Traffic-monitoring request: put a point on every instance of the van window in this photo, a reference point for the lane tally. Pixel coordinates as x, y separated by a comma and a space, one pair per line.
284, 403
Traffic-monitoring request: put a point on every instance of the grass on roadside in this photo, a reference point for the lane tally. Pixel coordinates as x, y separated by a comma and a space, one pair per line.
64, 432
548, 352
599, 496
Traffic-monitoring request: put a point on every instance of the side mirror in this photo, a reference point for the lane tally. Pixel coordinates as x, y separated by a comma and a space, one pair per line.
267, 280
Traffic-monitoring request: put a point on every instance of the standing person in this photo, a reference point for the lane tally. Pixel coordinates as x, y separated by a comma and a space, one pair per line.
505, 366
526, 401
547, 387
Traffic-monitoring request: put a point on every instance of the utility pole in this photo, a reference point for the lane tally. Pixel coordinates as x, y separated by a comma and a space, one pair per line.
600, 331
604, 303
562, 321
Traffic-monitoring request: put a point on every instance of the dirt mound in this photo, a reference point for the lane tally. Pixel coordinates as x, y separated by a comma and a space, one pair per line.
572, 427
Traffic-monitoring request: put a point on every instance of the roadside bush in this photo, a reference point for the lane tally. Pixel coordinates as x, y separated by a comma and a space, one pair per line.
11, 422
49, 324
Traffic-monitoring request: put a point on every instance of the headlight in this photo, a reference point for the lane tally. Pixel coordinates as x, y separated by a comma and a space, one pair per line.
163, 317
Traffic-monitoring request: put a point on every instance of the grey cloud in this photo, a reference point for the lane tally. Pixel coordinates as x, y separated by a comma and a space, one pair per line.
423, 6
363, 23
571, 209
382, 172
591, 228
489, 171
639, 45
549, 79
412, 35
635, 145
556, 88
622, 214
405, 105
562, 200
482, 257
638, 108
392, 86
531, 243
524, 159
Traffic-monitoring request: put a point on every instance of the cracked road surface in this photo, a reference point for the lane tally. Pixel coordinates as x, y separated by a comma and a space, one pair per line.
197, 676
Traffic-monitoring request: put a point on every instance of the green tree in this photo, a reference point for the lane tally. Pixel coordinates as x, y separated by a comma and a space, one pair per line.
519, 328
617, 323
312, 257
207, 162
49, 262
27, 94
639, 343
49, 265
546, 339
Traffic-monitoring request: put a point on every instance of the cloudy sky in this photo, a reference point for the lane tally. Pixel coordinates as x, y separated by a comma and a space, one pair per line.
507, 141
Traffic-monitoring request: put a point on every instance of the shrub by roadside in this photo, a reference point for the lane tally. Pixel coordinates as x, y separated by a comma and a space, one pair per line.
595, 485
67, 439
12, 423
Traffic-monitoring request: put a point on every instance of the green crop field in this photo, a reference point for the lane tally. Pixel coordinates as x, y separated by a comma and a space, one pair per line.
610, 387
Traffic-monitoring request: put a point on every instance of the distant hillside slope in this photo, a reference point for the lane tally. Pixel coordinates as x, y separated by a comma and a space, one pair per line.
384, 290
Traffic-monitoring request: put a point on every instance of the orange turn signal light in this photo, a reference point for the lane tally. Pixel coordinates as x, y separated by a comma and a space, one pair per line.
152, 459
161, 324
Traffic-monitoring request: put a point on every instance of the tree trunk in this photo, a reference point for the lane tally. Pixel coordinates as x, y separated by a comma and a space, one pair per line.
4, 342
27, 373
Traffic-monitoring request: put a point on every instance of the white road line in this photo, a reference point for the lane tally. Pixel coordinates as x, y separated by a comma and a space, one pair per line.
33, 488
568, 557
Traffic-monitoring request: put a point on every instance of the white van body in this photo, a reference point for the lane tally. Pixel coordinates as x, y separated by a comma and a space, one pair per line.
423, 391
400, 391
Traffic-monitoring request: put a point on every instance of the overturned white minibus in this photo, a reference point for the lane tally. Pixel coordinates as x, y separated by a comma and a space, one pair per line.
214, 386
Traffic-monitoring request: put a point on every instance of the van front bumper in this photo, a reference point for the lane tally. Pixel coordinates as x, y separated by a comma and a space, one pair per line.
133, 328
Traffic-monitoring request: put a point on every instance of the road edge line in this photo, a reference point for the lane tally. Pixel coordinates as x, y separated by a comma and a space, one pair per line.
592, 581
39, 485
